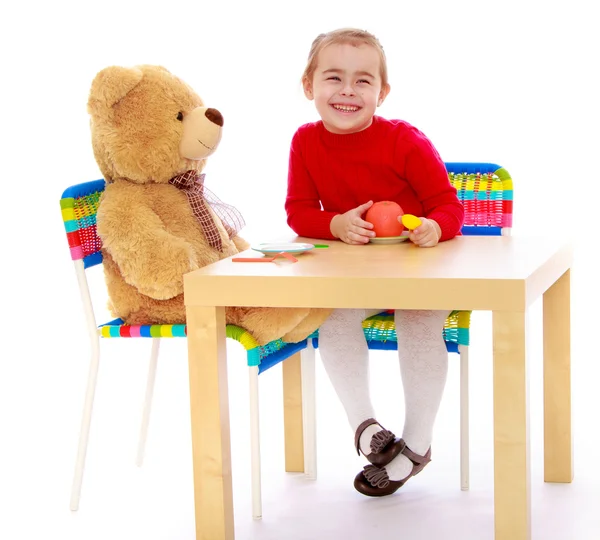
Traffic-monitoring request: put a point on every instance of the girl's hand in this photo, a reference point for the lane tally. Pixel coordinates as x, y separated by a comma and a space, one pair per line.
351, 228
427, 234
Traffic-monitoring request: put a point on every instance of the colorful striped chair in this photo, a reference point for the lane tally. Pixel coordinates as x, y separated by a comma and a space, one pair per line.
79, 205
485, 189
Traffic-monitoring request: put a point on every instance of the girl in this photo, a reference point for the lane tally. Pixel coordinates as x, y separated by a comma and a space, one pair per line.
338, 167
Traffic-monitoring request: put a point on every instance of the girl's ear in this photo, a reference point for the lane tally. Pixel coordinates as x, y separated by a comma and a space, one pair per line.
385, 90
308, 90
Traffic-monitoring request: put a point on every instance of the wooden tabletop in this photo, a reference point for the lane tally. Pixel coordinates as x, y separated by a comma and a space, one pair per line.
469, 272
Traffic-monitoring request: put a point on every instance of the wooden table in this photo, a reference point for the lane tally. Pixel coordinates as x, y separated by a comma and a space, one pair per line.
501, 274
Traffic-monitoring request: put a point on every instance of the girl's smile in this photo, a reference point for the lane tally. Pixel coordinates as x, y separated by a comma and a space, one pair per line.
345, 109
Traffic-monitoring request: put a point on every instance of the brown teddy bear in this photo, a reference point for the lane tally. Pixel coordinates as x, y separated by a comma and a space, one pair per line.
151, 135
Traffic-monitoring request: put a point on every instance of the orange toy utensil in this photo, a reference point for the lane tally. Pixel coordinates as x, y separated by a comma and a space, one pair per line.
265, 259
411, 222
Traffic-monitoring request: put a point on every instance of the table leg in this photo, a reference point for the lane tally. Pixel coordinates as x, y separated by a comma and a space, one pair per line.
512, 496
292, 413
211, 443
558, 441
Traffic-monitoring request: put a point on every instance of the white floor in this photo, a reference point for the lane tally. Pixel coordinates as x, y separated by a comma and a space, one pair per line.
41, 404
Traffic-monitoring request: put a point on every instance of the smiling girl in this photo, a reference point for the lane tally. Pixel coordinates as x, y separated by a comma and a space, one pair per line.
338, 167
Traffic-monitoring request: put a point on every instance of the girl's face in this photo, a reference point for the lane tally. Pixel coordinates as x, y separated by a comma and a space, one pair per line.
346, 87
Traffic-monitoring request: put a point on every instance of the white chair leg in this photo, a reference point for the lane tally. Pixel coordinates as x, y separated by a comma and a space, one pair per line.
309, 411
255, 444
147, 401
464, 417
86, 420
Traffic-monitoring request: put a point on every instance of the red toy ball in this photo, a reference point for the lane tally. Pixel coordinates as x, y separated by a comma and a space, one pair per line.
384, 217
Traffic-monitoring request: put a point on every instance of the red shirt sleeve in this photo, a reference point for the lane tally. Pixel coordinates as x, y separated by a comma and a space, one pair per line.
302, 205
427, 175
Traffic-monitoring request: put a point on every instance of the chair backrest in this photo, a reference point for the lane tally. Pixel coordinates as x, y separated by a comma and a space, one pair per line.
79, 206
486, 192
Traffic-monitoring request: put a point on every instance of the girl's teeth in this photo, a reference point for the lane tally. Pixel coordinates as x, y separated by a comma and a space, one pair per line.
345, 108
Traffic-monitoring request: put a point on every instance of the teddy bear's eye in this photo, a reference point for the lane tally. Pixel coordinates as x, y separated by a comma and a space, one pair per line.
180, 116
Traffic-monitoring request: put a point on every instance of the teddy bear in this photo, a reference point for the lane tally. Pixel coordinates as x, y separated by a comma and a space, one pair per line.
151, 135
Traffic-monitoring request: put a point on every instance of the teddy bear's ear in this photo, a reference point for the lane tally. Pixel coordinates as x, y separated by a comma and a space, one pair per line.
153, 67
111, 85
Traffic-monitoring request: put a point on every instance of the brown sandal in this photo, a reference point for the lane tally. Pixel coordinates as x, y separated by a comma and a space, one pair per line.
375, 482
385, 446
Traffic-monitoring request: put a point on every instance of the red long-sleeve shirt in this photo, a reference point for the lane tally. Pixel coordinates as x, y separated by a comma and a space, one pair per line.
391, 160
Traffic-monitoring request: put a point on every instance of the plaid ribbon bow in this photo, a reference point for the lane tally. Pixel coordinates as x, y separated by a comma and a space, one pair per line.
192, 184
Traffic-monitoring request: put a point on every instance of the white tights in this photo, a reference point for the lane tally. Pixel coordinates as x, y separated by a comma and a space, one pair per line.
423, 367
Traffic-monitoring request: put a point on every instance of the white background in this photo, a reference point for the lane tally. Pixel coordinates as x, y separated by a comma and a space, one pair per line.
514, 83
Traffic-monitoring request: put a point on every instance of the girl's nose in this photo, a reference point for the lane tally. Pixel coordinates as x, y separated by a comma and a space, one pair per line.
347, 90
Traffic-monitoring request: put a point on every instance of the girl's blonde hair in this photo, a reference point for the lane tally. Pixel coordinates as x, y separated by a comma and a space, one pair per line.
344, 36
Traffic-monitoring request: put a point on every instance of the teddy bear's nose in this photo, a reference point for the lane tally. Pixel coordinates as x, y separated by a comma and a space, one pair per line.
214, 116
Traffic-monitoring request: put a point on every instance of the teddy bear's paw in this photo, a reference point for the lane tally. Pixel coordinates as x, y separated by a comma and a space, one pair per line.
240, 243
315, 318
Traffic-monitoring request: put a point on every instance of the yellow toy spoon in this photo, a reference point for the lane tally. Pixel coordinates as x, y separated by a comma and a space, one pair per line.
410, 222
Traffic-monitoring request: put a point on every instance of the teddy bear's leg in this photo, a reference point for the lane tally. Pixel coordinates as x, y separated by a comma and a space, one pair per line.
266, 324
315, 318
152, 311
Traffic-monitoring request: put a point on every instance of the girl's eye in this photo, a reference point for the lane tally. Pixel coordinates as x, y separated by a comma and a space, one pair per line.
180, 116
364, 81
333, 78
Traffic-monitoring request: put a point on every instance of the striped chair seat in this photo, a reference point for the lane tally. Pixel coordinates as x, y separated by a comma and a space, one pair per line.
263, 356
380, 331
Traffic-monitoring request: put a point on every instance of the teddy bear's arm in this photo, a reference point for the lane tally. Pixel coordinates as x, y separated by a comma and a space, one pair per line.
149, 257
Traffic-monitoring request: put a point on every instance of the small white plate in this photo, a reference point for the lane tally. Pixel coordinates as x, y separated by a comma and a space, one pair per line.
285, 247
388, 239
